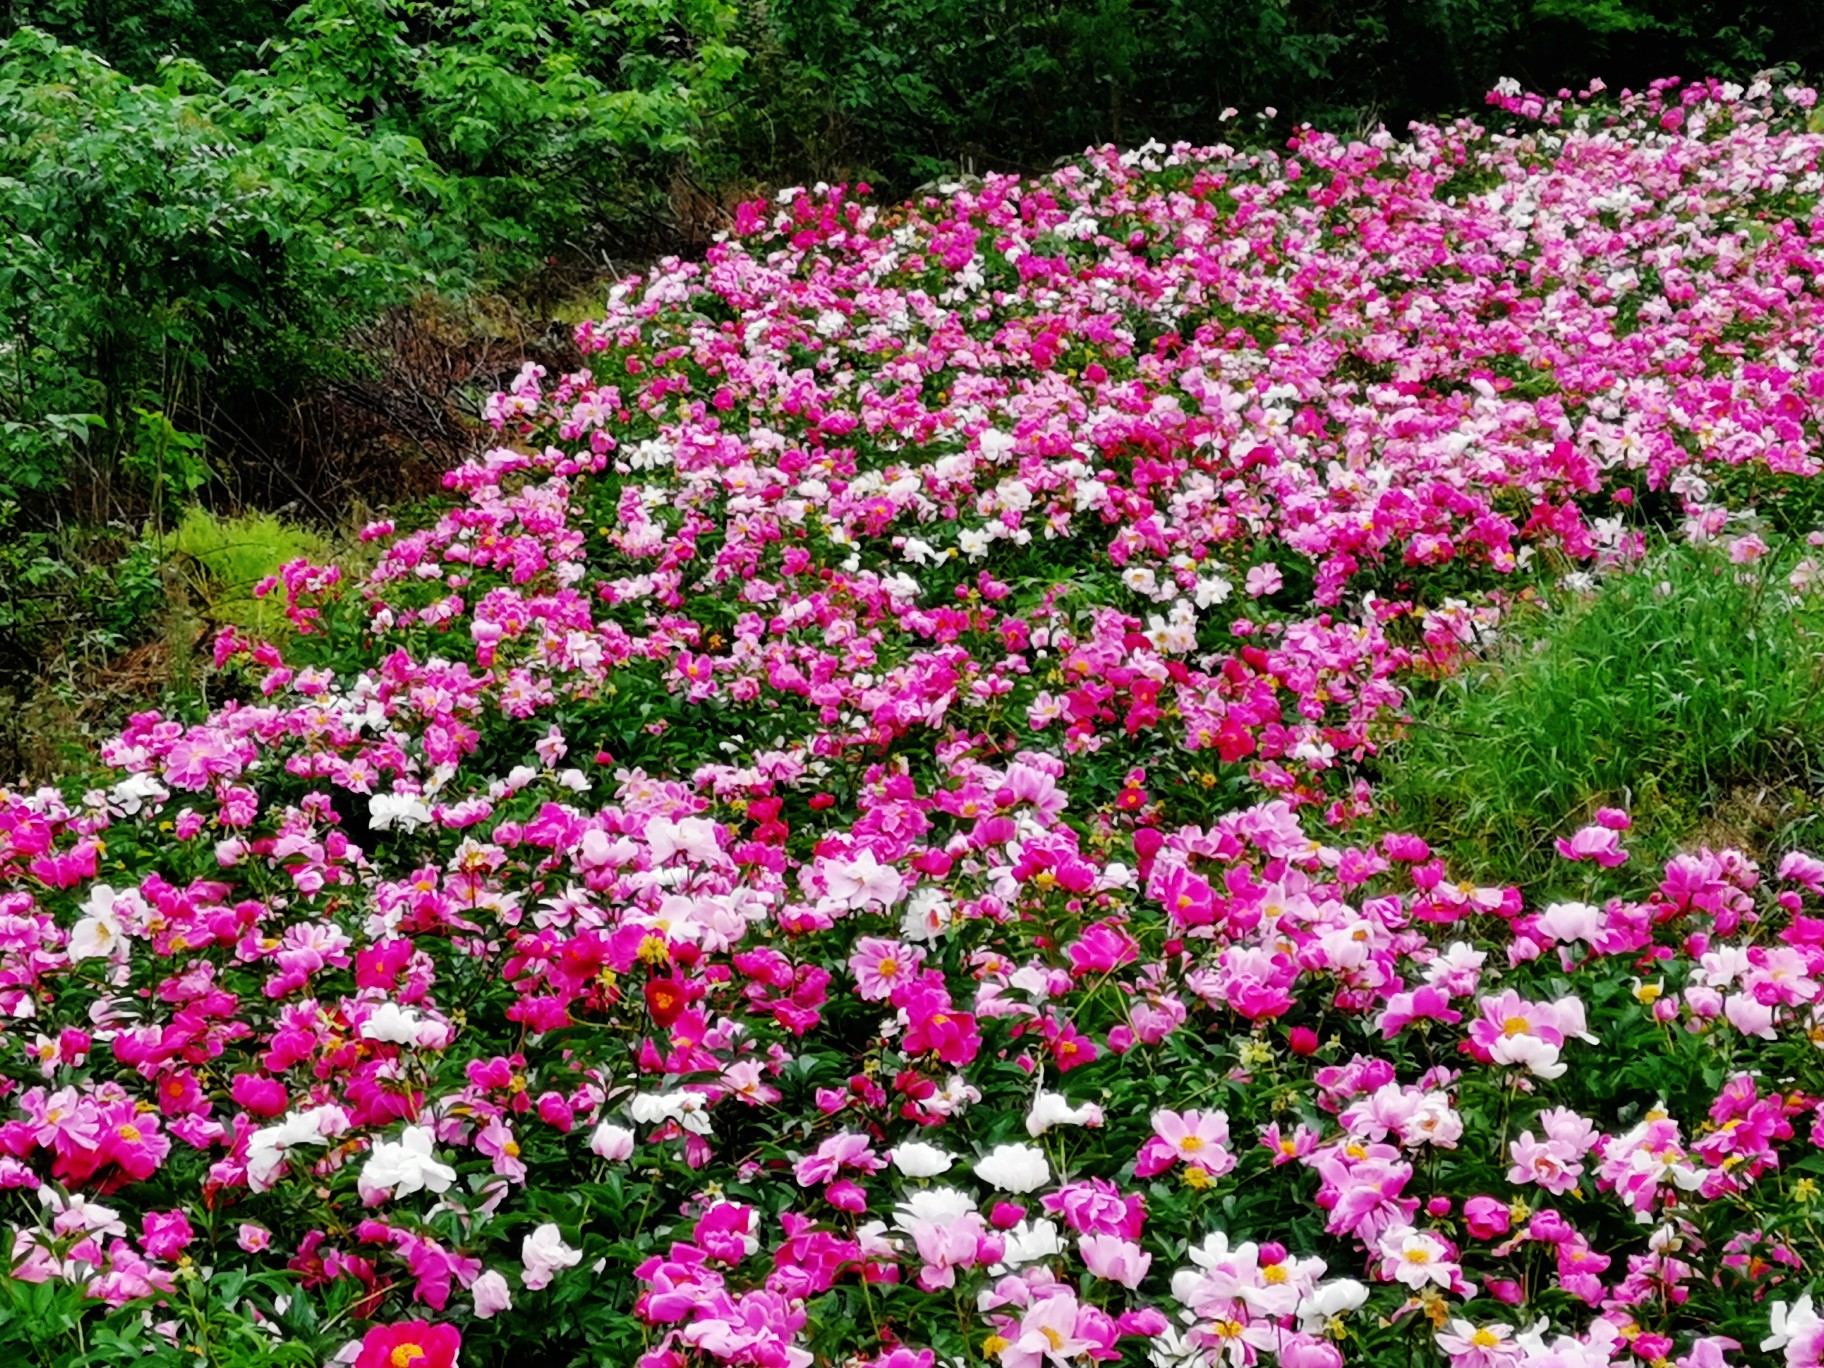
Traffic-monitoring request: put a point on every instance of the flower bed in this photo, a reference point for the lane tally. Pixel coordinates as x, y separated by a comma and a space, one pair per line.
847, 842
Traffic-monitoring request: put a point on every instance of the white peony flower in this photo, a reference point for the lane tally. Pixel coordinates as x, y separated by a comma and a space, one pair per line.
1052, 1109
392, 1024
1328, 1301
268, 1147
406, 811
938, 1206
99, 934
136, 791
918, 1160
400, 1168
688, 1109
1014, 1168
1789, 1323
926, 914
1031, 1242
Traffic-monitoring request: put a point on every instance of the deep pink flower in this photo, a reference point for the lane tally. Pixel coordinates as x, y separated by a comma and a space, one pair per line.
1097, 1206
1486, 1217
167, 1233
410, 1344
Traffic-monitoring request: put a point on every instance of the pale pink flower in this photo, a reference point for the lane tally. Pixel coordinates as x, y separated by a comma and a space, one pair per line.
881, 965
545, 1254
863, 880
1113, 1258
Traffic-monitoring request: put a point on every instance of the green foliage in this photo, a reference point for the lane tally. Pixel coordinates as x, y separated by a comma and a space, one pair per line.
548, 118
1661, 692
149, 232
913, 89
170, 245
74, 592
29, 568
1597, 16
136, 35
70, 598
230, 1321
915, 85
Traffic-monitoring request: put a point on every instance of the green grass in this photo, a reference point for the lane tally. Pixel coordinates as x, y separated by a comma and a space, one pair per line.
225, 558
1689, 691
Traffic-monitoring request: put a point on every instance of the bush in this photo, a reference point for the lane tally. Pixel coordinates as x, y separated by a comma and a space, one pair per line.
150, 234
551, 123
914, 90
170, 245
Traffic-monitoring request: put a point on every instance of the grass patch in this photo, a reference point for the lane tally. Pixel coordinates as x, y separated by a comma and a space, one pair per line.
1682, 689
224, 559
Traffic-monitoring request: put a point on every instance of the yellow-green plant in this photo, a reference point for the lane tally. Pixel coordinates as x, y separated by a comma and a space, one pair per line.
224, 560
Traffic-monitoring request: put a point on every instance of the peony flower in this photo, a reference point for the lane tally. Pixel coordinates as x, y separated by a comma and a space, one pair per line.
1052, 1109
1799, 1330
926, 914
863, 880
1051, 1331
1600, 842
253, 1238
99, 934
400, 1168
491, 1294
610, 1141
1486, 1217
1478, 1346
1014, 1168
918, 1160
1193, 1137
410, 1344
1028, 1242
1113, 1258
406, 811
544, 1253
392, 1024
849, 1150
1413, 1258
1327, 1301
1264, 579
880, 966
268, 1147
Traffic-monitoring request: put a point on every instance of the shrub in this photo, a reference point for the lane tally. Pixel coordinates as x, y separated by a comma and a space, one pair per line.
918, 90
551, 124
151, 232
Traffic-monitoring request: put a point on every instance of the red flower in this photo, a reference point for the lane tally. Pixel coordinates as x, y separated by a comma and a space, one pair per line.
665, 1000
410, 1344
1131, 799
